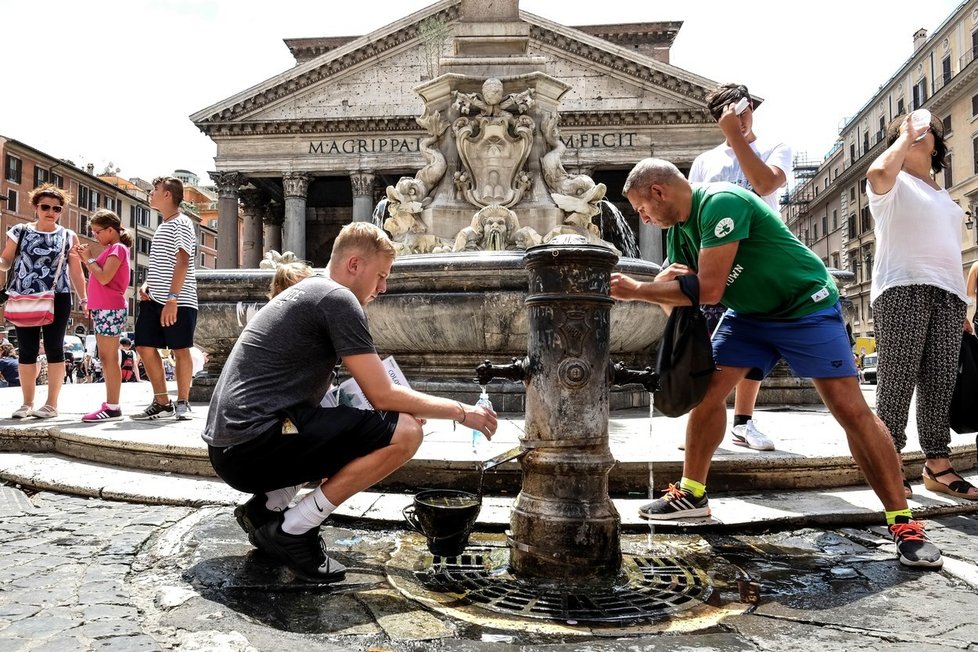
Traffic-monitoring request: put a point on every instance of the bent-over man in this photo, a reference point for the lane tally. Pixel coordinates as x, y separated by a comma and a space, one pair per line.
782, 303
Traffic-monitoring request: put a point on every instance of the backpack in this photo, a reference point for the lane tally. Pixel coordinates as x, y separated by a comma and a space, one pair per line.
127, 366
684, 364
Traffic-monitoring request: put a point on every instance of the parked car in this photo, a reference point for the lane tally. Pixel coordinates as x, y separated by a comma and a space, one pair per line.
75, 347
869, 368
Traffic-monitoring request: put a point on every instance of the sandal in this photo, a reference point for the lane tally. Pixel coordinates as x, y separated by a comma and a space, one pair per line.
958, 488
45, 412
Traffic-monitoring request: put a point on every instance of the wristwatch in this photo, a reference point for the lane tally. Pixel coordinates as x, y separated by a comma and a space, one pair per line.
91, 261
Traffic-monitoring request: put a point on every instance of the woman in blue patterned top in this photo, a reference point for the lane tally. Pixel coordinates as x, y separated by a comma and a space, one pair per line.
44, 245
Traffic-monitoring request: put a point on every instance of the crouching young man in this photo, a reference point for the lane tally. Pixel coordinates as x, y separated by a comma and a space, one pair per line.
266, 432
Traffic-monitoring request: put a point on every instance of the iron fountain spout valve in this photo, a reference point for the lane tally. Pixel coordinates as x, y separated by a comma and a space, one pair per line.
517, 371
622, 375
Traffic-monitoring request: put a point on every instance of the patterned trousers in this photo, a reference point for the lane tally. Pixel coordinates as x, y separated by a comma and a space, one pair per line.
918, 338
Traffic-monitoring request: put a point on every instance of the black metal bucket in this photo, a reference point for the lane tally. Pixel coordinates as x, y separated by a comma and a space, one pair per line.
446, 517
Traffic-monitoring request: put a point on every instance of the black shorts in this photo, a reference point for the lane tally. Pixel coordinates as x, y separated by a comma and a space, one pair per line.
150, 332
327, 440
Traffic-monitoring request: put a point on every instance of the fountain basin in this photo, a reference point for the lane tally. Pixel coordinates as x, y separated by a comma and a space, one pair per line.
441, 316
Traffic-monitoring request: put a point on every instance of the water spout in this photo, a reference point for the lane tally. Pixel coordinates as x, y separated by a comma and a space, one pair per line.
615, 230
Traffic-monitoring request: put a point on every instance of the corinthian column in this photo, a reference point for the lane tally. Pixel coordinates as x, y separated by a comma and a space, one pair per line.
296, 185
363, 196
253, 201
227, 217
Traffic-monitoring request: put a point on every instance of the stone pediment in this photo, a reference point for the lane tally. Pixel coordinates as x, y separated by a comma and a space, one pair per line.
368, 83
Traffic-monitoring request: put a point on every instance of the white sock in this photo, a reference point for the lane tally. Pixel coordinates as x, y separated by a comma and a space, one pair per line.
308, 513
279, 500
112, 406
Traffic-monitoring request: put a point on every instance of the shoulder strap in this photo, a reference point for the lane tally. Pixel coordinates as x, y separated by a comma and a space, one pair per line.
20, 241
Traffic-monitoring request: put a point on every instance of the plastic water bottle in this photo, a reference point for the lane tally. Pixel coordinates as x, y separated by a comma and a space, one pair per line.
477, 436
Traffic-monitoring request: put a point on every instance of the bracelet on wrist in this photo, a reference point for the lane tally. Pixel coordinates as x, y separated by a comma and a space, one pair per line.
172, 295
462, 420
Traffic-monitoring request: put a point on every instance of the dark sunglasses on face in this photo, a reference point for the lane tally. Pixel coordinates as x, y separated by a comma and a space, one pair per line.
49, 207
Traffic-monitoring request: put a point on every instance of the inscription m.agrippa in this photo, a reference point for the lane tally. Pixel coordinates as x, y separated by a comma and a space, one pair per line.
366, 146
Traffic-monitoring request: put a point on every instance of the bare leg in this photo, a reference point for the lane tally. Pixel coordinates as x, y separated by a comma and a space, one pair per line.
869, 441
707, 423
28, 381
746, 396
368, 470
184, 372
154, 371
56, 378
108, 352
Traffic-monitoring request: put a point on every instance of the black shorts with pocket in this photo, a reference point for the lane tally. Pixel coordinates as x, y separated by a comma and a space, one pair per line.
327, 440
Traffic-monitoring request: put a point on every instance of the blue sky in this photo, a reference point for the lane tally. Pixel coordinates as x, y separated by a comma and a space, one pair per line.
115, 80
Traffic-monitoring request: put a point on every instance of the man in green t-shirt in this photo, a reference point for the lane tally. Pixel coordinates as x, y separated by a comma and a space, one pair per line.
782, 303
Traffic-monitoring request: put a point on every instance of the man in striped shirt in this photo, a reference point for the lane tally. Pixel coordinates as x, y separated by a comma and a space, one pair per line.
167, 315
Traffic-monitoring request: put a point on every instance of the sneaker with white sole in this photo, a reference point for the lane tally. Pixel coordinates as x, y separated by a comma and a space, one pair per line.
913, 547
749, 436
183, 411
676, 503
104, 413
154, 411
305, 553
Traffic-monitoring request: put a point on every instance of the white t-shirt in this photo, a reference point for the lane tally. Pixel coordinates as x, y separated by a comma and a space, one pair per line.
720, 164
918, 237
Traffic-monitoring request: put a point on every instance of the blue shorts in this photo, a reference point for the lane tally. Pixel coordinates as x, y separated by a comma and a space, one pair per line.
816, 345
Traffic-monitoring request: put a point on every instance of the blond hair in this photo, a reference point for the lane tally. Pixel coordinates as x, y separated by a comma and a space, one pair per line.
287, 275
365, 238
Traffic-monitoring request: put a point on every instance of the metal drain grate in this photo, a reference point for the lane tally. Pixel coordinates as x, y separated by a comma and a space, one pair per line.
651, 588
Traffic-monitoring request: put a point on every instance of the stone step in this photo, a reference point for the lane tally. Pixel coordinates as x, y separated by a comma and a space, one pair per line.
736, 511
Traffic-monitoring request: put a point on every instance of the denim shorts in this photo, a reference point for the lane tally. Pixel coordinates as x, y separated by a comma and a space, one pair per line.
816, 345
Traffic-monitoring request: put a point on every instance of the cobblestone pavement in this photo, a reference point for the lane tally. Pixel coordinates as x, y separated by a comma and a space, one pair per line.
85, 574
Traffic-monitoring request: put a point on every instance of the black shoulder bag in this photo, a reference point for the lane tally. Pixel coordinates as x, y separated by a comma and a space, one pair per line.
10, 272
685, 362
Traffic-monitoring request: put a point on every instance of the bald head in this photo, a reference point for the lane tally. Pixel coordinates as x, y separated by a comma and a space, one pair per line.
658, 192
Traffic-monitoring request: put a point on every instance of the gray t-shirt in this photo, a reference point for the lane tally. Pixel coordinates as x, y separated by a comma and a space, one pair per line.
285, 357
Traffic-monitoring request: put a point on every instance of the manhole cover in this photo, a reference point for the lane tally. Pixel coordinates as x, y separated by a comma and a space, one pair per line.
649, 588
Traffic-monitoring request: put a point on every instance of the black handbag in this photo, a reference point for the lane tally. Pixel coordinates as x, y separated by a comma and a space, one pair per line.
4, 293
964, 399
684, 363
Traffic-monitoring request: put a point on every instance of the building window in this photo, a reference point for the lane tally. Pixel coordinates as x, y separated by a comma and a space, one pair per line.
946, 70
40, 176
835, 219
815, 232
901, 107
865, 221
57, 180
974, 147
83, 196
93, 201
851, 223
852, 193
143, 246
852, 151
84, 226
974, 105
948, 177
835, 260
920, 93
11, 200
947, 125
862, 186
13, 168
825, 225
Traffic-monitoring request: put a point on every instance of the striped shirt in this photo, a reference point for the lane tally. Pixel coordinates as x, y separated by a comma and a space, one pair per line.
172, 235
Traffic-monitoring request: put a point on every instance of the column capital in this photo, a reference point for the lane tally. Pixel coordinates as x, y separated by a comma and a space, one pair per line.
253, 200
362, 182
296, 184
227, 183
274, 213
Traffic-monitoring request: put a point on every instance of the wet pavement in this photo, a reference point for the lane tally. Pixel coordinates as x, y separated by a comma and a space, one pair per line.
89, 574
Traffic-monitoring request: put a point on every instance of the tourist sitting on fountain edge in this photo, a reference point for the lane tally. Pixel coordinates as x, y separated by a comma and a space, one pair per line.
781, 302
266, 431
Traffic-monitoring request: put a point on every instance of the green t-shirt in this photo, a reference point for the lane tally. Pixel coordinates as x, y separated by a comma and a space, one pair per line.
774, 276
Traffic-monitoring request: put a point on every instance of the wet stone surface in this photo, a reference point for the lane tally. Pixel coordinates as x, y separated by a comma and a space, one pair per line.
79, 574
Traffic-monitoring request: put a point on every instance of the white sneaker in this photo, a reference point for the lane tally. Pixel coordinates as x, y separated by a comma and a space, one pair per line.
748, 435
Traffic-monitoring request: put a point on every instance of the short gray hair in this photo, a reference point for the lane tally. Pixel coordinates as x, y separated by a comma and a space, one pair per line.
651, 171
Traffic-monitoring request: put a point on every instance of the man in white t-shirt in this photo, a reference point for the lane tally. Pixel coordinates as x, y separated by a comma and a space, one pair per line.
761, 166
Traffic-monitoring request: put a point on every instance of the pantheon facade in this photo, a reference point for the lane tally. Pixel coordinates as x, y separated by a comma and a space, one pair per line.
315, 147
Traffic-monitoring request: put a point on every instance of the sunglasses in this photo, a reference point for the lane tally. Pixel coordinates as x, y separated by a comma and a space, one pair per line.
49, 207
